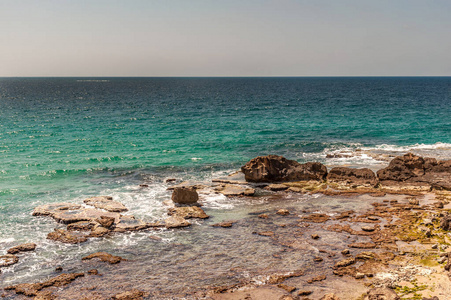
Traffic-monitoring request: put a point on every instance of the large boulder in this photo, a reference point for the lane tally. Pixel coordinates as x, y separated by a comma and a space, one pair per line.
364, 176
185, 195
415, 169
274, 168
402, 168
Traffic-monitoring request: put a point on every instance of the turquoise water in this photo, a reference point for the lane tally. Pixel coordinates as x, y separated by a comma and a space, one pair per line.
64, 139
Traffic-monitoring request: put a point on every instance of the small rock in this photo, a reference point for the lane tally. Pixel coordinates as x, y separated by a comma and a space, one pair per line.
359, 276
93, 272
8, 260
170, 180
317, 278
103, 256
435, 246
226, 224
304, 293
80, 226
265, 233
427, 222
263, 216
381, 293
283, 212
58, 269
287, 288
98, 231
318, 259
22, 248
276, 187
185, 195
345, 262
345, 252
414, 201
439, 204
331, 297
315, 236
155, 238
368, 228
367, 245
143, 185
373, 218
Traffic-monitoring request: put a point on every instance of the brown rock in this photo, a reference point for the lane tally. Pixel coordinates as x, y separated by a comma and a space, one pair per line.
231, 190
176, 222
287, 288
279, 278
304, 293
8, 260
283, 212
67, 237
226, 224
344, 263
93, 272
316, 218
362, 177
129, 223
80, 226
367, 245
44, 295
263, 216
402, 168
185, 195
98, 231
106, 203
445, 222
188, 212
50, 209
129, 295
317, 278
315, 236
382, 294
317, 259
105, 221
273, 168
103, 256
22, 248
83, 214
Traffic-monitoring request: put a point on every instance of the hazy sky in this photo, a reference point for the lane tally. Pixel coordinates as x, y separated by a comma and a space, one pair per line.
225, 37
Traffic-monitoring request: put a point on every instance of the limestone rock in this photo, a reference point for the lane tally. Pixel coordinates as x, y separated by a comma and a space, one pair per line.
331, 296
176, 222
106, 203
382, 294
226, 224
22, 248
104, 256
80, 226
345, 262
188, 212
84, 214
182, 195
67, 237
361, 177
8, 260
98, 231
283, 212
276, 187
274, 168
129, 223
52, 208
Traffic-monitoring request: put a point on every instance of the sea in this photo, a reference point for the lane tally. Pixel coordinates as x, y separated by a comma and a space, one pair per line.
66, 139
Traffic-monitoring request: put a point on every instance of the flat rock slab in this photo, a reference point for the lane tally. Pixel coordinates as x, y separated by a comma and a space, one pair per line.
176, 222
84, 214
66, 237
235, 190
188, 212
51, 209
235, 178
106, 203
104, 256
8, 260
129, 223
22, 248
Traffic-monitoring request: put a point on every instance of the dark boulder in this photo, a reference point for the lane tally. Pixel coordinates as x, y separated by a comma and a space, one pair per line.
402, 168
352, 176
274, 168
184, 195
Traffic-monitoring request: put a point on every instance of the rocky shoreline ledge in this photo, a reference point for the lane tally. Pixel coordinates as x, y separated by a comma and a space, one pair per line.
396, 250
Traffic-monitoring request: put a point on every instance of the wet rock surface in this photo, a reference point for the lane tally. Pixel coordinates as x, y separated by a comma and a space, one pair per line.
176, 222
86, 214
230, 190
8, 260
105, 257
68, 237
52, 208
188, 212
22, 248
106, 203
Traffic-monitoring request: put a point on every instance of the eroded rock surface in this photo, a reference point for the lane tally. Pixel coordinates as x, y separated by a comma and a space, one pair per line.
8, 260
68, 237
176, 222
104, 256
382, 294
87, 214
129, 223
22, 248
235, 190
106, 203
52, 208
274, 168
362, 177
188, 212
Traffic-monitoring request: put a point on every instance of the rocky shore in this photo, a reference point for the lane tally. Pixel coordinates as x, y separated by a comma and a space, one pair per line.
397, 249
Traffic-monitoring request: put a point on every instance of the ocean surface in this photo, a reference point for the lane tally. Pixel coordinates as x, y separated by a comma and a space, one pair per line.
66, 139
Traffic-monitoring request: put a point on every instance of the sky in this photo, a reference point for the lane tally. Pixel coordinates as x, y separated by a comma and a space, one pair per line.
225, 38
